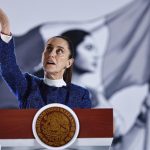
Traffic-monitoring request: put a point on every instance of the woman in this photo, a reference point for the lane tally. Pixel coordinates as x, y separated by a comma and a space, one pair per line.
85, 55
56, 87
86, 60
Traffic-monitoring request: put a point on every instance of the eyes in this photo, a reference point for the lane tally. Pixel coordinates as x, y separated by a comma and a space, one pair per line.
89, 46
59, 51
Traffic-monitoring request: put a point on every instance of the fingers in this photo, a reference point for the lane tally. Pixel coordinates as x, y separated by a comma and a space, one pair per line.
4, 23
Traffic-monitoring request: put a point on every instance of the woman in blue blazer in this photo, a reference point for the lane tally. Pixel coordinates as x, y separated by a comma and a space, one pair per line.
55, 87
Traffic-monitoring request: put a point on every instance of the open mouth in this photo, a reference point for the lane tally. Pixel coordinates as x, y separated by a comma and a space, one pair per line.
50, 63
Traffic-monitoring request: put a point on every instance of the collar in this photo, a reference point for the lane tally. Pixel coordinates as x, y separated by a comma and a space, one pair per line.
56, 83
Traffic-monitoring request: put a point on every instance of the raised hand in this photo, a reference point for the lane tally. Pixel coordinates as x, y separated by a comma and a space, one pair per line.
4, 23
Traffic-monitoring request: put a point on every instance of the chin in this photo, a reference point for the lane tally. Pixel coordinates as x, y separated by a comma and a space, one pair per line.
48, 70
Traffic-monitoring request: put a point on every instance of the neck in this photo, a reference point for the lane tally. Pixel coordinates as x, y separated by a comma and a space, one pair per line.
53, 76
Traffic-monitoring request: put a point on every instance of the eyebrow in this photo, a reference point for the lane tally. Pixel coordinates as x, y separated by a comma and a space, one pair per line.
57, 46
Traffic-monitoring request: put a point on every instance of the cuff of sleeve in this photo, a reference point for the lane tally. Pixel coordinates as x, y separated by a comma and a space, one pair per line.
5, 38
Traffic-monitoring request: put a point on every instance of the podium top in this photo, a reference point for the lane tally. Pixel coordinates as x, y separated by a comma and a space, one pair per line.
94, 123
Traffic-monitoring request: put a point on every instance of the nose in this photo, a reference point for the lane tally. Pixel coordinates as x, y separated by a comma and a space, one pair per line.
95, 54
52, 53
95, 58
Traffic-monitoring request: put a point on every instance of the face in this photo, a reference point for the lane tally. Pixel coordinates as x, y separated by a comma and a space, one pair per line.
55, 57
86, 58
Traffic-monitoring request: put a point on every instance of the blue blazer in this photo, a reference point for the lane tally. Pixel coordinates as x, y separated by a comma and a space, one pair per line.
31, 91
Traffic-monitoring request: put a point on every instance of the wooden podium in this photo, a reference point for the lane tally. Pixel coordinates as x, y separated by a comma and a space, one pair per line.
96, 129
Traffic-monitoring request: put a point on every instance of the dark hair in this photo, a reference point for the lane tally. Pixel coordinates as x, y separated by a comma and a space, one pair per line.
73, 38
68, 72
76, 36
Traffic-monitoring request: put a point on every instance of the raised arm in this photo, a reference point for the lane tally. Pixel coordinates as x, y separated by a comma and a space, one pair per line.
4, 23
9, 69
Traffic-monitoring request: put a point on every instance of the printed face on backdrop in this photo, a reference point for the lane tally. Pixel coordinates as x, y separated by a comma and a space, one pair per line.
55, 57
86, 58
